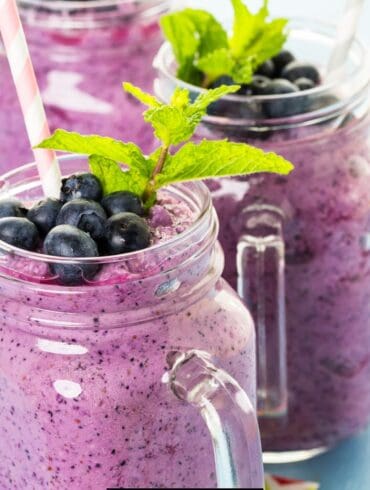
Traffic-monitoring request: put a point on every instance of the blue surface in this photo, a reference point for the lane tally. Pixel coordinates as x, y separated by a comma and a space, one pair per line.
347, 467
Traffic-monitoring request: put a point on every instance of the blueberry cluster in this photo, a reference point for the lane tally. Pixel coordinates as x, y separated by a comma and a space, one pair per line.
282, 74
82, 223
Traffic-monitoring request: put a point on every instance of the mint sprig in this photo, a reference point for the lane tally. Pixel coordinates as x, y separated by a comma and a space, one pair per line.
123, 166
204, 52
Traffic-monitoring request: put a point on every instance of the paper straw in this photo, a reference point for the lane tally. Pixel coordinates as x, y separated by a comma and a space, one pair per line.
346, 32
28, 94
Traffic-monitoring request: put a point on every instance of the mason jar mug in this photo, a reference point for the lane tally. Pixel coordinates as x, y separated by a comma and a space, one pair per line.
297, 247
142, 377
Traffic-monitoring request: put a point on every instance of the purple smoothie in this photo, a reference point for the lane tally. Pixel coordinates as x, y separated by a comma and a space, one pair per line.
82, 401
81, 56
327, 282
326, 225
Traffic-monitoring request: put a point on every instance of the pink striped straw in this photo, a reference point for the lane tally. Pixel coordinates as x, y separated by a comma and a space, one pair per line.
29, 95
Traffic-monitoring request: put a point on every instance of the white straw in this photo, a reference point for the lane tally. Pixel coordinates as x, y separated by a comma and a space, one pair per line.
346, 32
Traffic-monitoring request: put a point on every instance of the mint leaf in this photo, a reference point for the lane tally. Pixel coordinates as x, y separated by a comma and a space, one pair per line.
126, 153
216, 63
192, 33
180, 98
188, 72
181, 32
145, 98
211, 34
243, 70
269, 41
114, 178
204, 53
176, 122
246, 26
243, 28
171, 126
253, 36
199, 107
219, 159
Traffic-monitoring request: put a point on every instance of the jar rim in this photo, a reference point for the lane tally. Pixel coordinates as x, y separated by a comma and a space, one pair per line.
358, 79
187, 189
78, 14
67, 5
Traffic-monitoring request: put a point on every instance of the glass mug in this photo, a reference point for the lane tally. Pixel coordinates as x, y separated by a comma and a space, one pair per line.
297, 247
142, 378
82, 51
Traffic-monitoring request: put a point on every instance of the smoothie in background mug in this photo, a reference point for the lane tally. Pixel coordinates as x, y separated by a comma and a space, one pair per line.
105, 384
81, 52
316, 224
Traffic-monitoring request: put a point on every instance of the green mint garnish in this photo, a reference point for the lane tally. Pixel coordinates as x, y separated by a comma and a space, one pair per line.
204, 52
123, 166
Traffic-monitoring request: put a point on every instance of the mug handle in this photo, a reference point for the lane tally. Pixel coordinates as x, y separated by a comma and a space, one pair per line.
261, 285
227, 412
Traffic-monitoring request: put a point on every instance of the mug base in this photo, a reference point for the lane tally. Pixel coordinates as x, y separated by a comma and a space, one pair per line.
285, 457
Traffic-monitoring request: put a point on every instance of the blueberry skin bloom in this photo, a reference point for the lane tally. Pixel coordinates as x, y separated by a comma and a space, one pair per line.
69, 241
11, 208
81, 186
267, 69
19, 232
282, 107
122, 202
299, 69
44, 214
126, 232
86, 215
260, 85
281, 60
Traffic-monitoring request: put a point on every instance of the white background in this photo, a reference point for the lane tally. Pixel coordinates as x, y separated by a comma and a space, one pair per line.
325, 10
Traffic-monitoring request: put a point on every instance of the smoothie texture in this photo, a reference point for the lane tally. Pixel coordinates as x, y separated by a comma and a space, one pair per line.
82, 401
327, 280
81, 55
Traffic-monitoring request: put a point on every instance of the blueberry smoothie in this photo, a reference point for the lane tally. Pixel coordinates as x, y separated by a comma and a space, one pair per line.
327, 282
81, 53
83, 402
324, 129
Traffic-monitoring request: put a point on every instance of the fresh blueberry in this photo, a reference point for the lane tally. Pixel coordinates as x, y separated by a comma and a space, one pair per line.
260, 84
81, 186
19, 232
281, 86
304, 83
69, 241
44, 214
281, 107
122, 202
281, 60
267, 69
126, 232
88, 216
245, 89
226, 80
223, 80
299, 69
11, 208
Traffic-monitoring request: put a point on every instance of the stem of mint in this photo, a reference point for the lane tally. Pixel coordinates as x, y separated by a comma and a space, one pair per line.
150, 188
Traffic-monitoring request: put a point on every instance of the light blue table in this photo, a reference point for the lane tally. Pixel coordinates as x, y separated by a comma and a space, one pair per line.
347, 467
